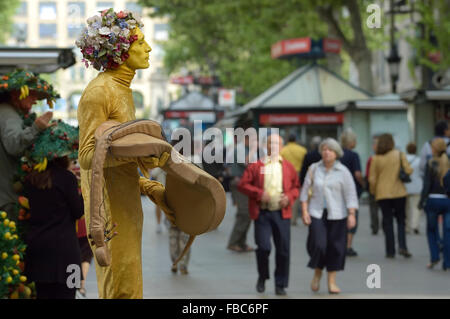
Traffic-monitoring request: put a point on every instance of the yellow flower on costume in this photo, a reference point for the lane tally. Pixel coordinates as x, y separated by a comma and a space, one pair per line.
6, 222
23, 278
4, 255
7, 235
16, 257
9, 279
3, 214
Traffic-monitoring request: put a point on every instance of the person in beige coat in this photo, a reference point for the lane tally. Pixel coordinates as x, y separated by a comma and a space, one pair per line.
390, 192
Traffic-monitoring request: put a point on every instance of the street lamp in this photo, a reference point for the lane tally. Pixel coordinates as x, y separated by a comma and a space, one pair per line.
394, 66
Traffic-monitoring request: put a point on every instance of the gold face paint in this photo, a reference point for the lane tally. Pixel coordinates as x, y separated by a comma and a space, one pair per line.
139, 52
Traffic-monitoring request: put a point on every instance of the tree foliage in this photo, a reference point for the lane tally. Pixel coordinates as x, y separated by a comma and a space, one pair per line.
7, 10
232, 39
434, 35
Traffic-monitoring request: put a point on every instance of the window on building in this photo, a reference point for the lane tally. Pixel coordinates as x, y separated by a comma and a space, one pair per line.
74, 30
138, 100
104, 5
47, 30
76, 10
133, 7
47, 10
157, 52
22, 9
20, 32
161, 32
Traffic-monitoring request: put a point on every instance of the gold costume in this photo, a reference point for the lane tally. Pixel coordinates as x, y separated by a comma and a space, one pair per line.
109, 97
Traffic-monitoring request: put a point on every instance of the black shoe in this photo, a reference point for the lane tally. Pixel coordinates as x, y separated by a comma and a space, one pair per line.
390, 256
374, 232
260, 285
404, 253
351, 252
280, 291
416, 231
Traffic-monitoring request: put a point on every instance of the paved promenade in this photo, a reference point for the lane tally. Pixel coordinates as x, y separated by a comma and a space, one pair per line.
215, 272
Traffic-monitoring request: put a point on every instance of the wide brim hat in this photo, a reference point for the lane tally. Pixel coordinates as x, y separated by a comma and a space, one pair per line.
196, 198
25, 82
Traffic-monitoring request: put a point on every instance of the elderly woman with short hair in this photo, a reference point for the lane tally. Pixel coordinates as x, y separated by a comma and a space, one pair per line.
329, 203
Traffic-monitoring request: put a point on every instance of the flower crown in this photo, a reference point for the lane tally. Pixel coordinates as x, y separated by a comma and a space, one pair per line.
106, 40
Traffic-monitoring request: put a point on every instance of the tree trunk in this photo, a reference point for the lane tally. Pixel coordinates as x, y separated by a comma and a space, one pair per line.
363, 62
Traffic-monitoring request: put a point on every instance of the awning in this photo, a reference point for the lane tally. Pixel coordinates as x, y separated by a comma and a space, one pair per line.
382, 102
37, 60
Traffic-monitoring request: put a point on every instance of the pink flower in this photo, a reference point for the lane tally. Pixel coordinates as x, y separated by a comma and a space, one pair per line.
122, 15
104, 12
89, 50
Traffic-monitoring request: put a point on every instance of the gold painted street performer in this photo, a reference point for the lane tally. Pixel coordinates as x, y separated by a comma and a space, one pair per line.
113, 43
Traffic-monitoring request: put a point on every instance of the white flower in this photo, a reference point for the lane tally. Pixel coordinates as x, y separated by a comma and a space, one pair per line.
125, 33
116, 29
92, 32
104, 31
117, 59
94, 19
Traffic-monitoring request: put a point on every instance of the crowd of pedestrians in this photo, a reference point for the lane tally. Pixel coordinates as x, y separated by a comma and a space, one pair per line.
330, 184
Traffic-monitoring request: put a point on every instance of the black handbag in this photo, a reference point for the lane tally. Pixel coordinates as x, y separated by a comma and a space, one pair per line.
402, 175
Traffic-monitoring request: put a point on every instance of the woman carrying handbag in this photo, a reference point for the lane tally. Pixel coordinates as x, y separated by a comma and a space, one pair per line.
389, 171
329, 202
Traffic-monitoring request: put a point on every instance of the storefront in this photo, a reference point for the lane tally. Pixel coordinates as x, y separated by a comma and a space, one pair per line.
304, 103
192, 108
425, 108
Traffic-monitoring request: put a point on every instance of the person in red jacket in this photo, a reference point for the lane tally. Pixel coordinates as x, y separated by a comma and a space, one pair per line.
272, 186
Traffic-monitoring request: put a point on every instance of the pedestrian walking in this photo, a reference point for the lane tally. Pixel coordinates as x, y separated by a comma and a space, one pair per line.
351, 160
238, 238
441, 130
373, 206
329, 203
295, 154
177, 242
435, 201
390, 192
414, 189
159, 175
272, 186
313, 156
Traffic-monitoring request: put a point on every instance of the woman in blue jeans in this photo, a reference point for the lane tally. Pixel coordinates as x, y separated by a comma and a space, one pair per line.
435, 201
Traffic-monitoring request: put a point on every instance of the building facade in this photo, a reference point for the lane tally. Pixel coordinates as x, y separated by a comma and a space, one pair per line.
58, 23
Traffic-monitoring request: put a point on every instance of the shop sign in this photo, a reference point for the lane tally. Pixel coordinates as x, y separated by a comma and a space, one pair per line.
291, 46
227, 98
182, 80
305, 118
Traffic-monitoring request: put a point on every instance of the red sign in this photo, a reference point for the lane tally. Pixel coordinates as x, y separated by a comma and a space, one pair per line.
182, 80
187, 114
331, 45
292, 46
306, 118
